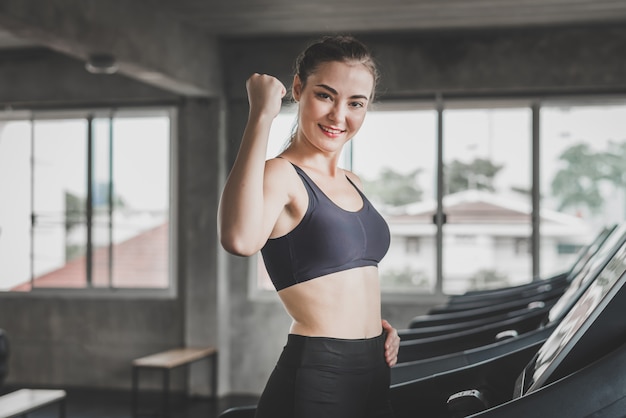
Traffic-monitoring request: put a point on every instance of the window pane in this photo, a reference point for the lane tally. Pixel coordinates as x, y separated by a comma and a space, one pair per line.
15, 180
583, 187
141, 179
60, 190
280, 133
394, 154
130, 197
487, 198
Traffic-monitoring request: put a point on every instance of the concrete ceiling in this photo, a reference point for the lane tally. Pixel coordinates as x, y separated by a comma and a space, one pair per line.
242, 18
172, 44
269, 17
9, 41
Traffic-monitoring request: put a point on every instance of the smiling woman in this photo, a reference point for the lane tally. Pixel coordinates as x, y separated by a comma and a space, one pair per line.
320, 237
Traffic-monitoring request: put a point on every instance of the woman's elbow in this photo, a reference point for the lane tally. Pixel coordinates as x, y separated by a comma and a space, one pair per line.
237, 246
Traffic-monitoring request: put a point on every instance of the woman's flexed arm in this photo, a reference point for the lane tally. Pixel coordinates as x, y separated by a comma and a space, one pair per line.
249, 207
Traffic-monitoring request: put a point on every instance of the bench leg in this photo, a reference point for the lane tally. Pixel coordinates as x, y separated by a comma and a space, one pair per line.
214, 376
134, 391
62, 408
166, 392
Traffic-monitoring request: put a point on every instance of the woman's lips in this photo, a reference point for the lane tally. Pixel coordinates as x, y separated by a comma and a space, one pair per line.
329, 130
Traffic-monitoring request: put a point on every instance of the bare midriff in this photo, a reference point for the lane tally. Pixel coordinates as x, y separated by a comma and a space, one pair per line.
344, 305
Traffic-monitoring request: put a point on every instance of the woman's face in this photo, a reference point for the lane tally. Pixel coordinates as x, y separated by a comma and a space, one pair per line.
332, 104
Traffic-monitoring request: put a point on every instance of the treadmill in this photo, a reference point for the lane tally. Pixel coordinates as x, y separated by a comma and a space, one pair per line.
412, 350
579, 371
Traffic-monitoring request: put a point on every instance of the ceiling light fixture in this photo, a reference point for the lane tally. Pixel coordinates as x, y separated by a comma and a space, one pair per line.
101, 64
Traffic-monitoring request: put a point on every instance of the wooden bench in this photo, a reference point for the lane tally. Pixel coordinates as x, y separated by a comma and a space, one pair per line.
168, 360
23, 401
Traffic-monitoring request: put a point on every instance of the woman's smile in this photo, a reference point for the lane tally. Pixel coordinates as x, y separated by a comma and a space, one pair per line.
331, 131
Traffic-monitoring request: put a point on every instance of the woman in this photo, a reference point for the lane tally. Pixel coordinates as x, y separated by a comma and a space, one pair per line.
320, 237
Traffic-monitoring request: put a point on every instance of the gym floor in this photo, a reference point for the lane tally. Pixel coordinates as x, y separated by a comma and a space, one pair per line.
83, 403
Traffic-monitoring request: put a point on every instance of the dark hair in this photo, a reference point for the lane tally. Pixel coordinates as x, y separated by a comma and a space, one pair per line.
331, 49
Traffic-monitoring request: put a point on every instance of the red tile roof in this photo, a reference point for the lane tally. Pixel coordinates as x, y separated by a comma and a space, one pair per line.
139, 262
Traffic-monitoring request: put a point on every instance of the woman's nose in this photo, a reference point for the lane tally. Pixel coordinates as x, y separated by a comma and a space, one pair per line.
337, 113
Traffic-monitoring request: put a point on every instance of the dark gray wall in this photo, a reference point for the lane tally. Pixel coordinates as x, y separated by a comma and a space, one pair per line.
63, 342
200, 138
67, 341
536, 61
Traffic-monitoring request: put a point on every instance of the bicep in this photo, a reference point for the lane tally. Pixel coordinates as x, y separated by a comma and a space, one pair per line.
277, 183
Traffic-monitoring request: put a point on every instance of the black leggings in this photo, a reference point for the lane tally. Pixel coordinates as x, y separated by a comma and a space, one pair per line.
319, 377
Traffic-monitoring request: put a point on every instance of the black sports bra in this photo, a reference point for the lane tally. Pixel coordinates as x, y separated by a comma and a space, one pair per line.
327, 240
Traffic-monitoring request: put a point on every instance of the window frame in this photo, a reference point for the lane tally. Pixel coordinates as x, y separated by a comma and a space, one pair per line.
169, 292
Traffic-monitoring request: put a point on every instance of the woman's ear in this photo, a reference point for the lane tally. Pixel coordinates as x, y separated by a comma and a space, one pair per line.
296, 89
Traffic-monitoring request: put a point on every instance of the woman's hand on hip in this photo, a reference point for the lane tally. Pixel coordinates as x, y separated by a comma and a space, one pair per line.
392, 344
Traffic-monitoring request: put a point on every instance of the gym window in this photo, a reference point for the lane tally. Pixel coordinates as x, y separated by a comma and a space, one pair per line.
86, 200
474, 162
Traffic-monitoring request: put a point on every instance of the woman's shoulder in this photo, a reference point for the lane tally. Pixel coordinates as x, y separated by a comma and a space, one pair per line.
354, 178
278, 166
280, 172
282, 182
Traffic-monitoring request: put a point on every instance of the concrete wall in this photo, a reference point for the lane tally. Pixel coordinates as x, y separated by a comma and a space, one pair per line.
525, 62
70, 342
200, 137
65, 341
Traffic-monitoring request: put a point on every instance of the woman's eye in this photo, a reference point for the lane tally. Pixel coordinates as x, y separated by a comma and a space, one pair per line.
323, 95
357, 104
